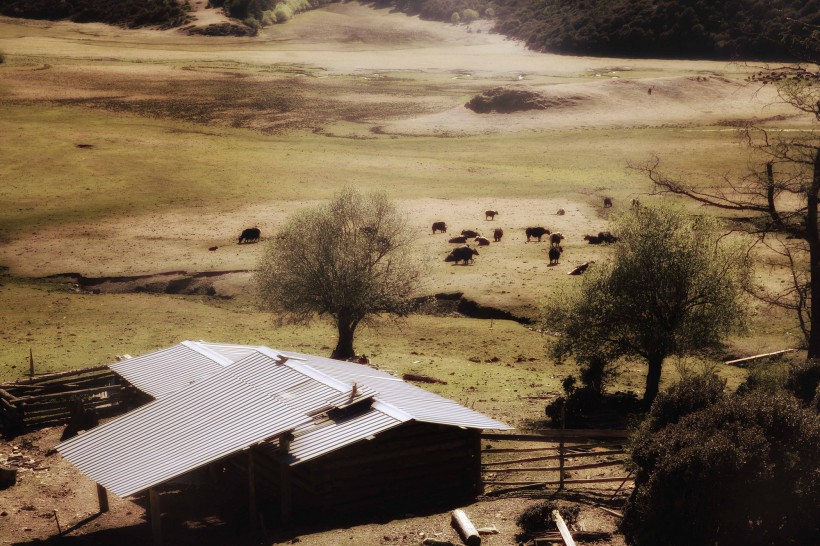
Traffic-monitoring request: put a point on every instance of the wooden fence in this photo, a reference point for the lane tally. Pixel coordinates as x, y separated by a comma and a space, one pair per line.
517, 462
44, 400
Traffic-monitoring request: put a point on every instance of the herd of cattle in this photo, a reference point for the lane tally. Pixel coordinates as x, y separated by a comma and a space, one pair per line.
465, 254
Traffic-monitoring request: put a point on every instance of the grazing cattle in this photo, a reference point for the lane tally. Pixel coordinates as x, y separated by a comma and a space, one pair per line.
439, 226
498, 233
555, 239
607, 202
470, 233
250, 235
537, 232
592, 239
482, 241
212, 248
607, 237
461, 254
490, 214
580, 269
458, 240
561, 212
555, 254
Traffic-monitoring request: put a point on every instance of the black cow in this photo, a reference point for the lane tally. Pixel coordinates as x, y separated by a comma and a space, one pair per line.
482, 241
555, 254
490, 214
458, 240
555, 239
439, 226
607, 237
592, 239
250, 235
607, 202
537, 232
461, 254
470, 233
498, 233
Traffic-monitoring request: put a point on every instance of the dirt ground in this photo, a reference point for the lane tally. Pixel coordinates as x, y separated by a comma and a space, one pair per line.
51, 495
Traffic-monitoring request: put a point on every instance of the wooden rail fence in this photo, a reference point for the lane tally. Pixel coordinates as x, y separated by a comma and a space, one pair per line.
569, 450
45, 400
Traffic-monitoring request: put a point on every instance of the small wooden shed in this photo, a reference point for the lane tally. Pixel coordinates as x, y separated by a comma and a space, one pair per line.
310, 432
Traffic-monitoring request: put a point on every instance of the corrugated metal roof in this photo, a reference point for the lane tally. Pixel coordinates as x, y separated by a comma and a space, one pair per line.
212, 407
170, 370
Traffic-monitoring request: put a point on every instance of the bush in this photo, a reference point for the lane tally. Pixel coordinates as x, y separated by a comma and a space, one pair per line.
469, 15
689, 395
489, 12
283, 13
743, 470
538, 517
455, 18
803, 380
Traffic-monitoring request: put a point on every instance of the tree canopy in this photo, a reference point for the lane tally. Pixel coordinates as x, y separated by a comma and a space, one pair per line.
350, 259
672, 288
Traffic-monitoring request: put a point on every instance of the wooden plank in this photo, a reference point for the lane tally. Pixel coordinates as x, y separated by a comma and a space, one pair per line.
557, 457
542, 485
562, 528
68, 394
589, 445
561, 467
756, 357
49, 377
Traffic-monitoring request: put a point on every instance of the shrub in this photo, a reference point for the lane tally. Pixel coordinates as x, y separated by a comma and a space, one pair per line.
282, 13
538, 517
455, 18
469, 15
689, 395
489, 12
803, 380
743, 470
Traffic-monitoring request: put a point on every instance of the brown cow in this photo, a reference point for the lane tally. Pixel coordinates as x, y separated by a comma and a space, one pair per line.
439, 226
490, 214
555, 239
607, 202
536, 232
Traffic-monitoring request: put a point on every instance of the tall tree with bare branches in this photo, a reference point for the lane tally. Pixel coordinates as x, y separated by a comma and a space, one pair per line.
782, 193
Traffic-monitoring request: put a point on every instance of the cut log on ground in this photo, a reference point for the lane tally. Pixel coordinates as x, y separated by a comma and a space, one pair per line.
469, 534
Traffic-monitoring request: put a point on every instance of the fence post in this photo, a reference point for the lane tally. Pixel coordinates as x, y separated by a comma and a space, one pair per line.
561, 449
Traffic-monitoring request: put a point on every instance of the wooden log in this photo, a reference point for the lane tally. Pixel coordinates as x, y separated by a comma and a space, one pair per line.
746, 359
542, 485
611, 512
8, 477
49, 377
6, 395
155, 515
469, 534
562, 528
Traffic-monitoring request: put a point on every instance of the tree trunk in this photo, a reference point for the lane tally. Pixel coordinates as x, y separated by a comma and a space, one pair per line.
813, 240
653, 379
344, 346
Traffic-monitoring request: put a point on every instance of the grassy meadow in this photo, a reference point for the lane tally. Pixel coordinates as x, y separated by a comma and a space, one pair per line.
133, 152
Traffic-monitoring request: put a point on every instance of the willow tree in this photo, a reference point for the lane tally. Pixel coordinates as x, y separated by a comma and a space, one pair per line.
673, 288
349, 259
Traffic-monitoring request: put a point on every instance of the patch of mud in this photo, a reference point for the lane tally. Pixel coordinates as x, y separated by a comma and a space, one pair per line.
505, 100
169, 282
450, 303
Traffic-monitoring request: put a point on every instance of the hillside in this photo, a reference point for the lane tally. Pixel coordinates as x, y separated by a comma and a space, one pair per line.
746, 29
129, 13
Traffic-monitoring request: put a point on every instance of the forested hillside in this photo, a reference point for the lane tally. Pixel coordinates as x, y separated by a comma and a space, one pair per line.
130, 13
660, 28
